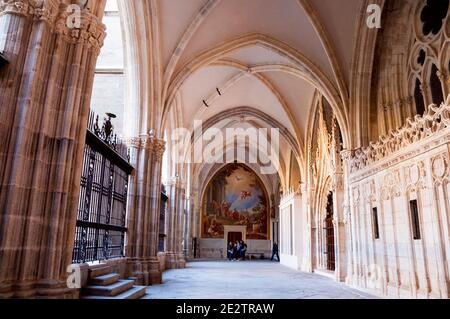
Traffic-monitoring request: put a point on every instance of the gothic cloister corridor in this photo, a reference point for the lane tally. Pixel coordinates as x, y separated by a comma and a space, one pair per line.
247, 280
145, 142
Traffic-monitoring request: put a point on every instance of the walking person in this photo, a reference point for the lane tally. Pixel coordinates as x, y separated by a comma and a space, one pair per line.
275, 252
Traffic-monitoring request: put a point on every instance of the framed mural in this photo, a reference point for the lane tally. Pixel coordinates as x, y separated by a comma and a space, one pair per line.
235, 197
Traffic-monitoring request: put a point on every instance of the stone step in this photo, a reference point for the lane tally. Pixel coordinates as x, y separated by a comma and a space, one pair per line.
110, 290
135, 292
99, 270
104, 280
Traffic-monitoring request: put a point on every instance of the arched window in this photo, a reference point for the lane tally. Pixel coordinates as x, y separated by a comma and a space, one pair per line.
108, 94
435, 86
418, 97
433, 15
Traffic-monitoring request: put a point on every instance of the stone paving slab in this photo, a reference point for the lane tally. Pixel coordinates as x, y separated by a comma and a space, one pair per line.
248, 280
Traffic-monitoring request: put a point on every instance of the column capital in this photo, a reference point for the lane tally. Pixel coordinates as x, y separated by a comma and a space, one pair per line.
175, 181
91, 32
43, 10
147, 142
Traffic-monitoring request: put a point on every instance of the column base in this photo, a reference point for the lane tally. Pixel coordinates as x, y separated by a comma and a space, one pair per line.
145, 271
181, 261
44, 289
175, 261
155, 274
171, 260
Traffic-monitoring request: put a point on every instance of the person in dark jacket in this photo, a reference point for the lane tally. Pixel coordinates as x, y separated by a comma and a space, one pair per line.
243, 249
230, 251
275, 252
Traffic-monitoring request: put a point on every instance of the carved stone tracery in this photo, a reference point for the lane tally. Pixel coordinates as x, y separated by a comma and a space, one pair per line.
435, 120
440, 169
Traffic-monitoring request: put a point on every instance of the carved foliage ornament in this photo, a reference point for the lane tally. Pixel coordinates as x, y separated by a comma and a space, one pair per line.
156, 146
91, 31
434, 120
440, 168
415, 175
370, 191
392, 185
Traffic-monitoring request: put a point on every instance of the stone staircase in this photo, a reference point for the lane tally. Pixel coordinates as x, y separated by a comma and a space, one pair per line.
104, 284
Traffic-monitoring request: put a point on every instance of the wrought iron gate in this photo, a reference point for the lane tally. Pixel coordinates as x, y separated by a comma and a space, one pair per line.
330, 240
101, 219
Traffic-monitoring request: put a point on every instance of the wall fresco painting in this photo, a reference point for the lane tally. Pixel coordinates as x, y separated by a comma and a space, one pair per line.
235, 197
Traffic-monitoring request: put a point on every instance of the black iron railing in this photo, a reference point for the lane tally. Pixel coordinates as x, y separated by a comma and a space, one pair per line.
162, 220
101, 219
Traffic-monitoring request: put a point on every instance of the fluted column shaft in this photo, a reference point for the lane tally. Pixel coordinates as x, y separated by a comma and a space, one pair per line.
144, 209
347, 218
45, 95
174, 249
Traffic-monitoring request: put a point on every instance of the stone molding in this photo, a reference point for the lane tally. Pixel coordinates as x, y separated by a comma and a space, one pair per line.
435, 120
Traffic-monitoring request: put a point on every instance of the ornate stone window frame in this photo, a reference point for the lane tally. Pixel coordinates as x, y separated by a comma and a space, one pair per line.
437, 50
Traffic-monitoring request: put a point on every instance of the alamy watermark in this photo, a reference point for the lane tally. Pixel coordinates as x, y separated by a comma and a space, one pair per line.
74, 18
374, 18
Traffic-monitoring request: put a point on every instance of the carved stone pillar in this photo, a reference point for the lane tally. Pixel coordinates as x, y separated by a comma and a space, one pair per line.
339, 226
187, 249
307, 262
181, 262
174, 250
347, 217
144, 208
338, 205
45, 95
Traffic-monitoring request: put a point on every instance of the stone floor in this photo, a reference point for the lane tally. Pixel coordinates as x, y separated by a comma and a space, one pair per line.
247, 280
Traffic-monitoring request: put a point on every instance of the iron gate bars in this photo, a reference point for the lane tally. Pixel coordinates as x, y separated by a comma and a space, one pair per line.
101, 219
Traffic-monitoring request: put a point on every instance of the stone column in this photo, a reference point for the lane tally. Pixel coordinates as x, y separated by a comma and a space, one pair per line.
347, 217
171, 258
174, 249
187, 249
143, 209
307, 263
338, 206
181, 262
45, 95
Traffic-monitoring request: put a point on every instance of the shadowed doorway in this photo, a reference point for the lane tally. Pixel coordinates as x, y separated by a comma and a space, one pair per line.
234, 237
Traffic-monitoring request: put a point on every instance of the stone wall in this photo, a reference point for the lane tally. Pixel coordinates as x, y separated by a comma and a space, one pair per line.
410, 165
293, 232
